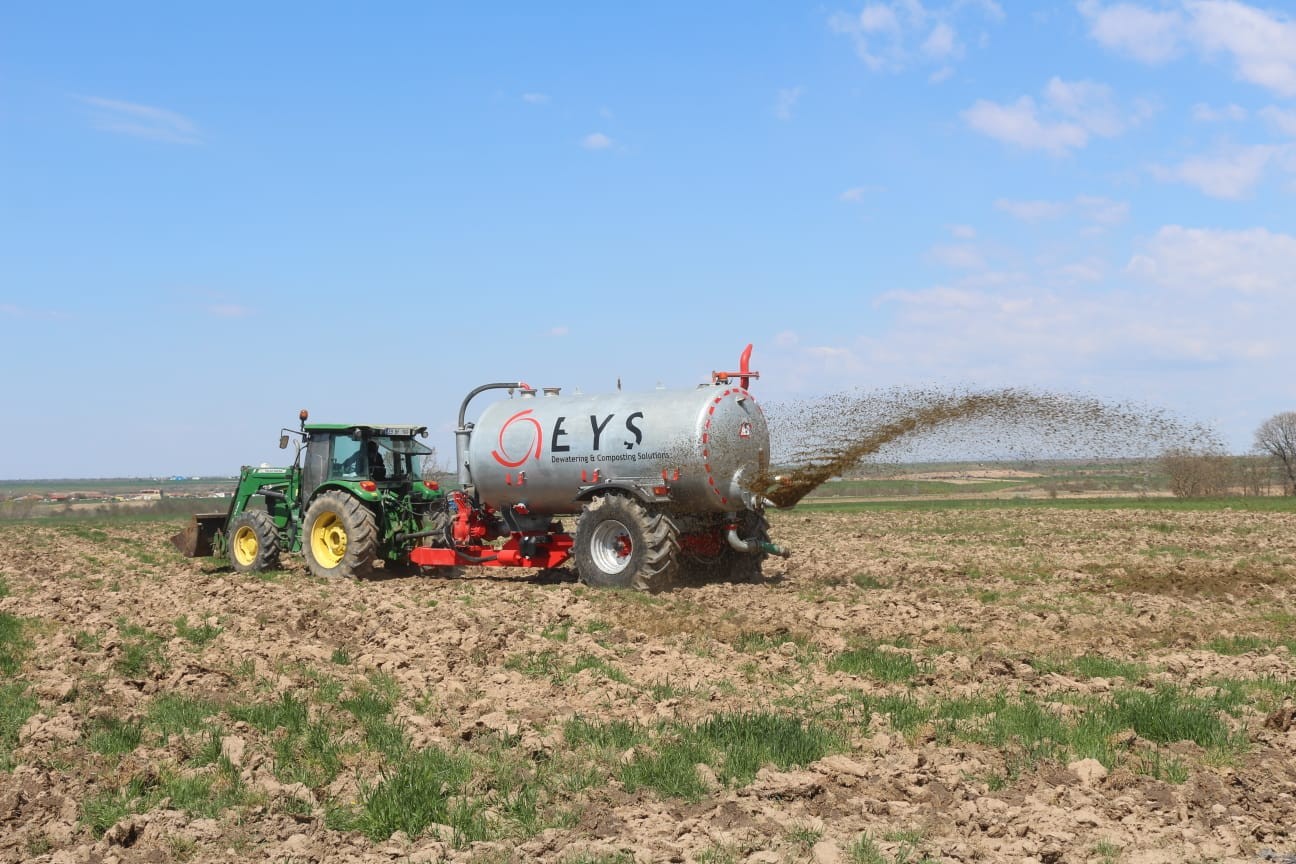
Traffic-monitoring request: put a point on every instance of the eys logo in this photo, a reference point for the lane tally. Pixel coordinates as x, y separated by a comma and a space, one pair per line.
502, 455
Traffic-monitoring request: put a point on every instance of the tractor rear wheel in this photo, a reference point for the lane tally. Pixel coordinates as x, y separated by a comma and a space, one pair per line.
620, 544
253, 542
341, 537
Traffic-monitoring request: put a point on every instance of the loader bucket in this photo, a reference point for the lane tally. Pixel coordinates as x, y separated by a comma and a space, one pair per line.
195, 541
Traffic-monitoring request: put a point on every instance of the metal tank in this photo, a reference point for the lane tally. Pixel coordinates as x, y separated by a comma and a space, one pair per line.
688, 451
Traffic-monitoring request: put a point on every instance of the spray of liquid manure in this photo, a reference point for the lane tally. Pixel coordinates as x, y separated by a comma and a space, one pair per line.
831, 435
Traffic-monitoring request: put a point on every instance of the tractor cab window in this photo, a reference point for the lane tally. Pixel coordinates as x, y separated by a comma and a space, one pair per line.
401, 456
377, 457
348, 458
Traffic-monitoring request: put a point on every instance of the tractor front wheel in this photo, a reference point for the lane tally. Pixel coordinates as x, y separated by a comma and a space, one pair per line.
620, 544
341, 537
253, 542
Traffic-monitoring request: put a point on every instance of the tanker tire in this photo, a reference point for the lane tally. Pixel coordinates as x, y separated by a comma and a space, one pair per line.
340, 537
612, 521
253, 542
738, 566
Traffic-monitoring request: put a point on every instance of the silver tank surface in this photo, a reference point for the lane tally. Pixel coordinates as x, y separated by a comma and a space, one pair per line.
691, 450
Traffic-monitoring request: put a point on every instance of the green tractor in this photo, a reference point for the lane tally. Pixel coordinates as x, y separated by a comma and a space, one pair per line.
359, 498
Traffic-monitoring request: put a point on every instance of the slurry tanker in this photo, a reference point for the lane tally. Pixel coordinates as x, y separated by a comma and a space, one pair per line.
660, 484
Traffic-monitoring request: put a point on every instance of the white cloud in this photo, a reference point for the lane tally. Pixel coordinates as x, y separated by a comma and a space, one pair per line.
596, 141
1032, 211
228, 310
1153, 37
1260, 44
854, 195
942, 43
1232, 174
893, 36
1018, 123
560, 330
1284, 121
1199, 261
958, 256
1092, 208
963, 232
1071, 112
535, 98
1194, 319
141, 121
1088, 104
1103, 211
1231, 113
786, 339
785, 101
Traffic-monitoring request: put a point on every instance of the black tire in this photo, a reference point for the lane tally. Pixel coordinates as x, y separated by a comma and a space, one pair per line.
735, 566
340, 537
253, 542
620, 544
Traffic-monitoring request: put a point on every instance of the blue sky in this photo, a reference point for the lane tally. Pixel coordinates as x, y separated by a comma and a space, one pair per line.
211, 217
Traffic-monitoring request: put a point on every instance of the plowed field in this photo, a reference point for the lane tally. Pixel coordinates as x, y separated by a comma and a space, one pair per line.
1013, 684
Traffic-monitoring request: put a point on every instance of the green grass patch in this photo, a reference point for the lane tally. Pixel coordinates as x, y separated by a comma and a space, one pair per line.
423, 790
903, 711
198, 635
1234, 645
141, 651
882, 663
616, 735
546, 664
306, 749
753, 642
16, 706
1096, 666
202, 796
174, 715
1027, 731
114, 737
869, 582
13, 644
734, 745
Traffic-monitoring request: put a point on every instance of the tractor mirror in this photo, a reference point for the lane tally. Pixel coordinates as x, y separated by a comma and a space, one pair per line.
283, 442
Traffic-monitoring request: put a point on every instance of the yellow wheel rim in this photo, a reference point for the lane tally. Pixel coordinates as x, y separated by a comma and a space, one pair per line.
328, 540
246, 546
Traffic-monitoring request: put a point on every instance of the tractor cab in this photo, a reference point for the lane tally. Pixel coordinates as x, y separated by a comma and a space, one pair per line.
352, 454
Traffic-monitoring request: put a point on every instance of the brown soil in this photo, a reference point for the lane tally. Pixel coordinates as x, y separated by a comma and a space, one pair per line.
986, 601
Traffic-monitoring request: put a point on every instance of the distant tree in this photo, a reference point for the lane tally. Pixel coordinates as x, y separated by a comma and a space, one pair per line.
1277, 437
1254, 474
1196, 474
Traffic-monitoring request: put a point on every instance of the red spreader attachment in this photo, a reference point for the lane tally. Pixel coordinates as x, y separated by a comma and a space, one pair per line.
521, 550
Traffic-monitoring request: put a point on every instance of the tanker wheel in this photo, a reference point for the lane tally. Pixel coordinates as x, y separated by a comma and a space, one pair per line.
620, 544
253, 542
341, 537
745, 566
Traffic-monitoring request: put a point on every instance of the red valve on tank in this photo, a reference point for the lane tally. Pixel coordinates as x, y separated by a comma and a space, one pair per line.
744, 373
